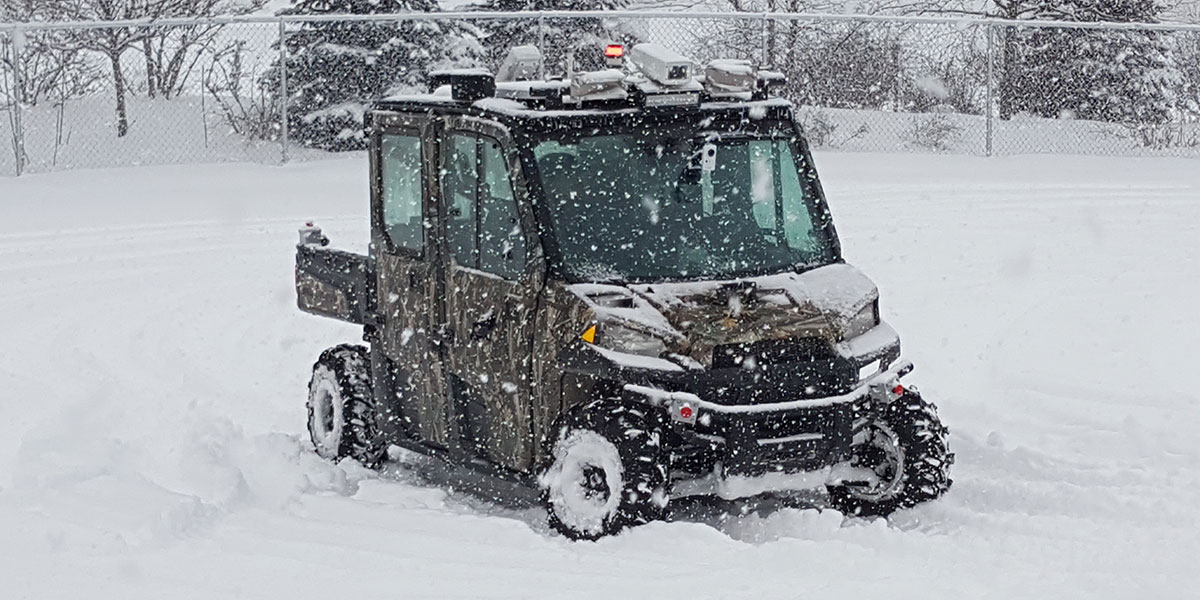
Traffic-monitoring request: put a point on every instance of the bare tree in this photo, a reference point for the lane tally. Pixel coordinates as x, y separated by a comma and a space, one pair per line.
171, 53
247, 99
113, 42
51, 67
838, 65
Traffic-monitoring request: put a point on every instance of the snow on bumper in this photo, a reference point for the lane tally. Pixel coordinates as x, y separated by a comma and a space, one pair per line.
879, 384
733, 487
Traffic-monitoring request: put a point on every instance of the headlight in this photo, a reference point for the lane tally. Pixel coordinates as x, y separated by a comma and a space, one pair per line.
630, 341
864, 321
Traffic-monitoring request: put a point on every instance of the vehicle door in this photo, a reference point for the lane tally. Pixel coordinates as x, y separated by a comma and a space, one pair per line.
406, 250
494, 273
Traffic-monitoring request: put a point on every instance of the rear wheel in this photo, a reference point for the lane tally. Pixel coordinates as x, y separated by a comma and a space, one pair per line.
906, 450
607, 471
341, 408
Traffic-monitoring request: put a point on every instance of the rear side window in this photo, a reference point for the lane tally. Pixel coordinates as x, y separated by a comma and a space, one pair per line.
400, 169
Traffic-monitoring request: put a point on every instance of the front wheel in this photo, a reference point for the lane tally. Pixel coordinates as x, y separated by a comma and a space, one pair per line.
341, 407
906, 449
607, 471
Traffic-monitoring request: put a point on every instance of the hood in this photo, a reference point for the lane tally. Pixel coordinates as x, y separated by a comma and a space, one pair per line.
695, 317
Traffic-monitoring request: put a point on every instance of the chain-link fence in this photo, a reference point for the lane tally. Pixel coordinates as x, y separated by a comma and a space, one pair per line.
76, 95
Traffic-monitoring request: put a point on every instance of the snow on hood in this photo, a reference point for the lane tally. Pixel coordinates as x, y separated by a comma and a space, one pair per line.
833, 293
619, 303
838, 290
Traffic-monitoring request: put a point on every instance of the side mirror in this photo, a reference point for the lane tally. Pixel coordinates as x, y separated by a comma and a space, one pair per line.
708, 158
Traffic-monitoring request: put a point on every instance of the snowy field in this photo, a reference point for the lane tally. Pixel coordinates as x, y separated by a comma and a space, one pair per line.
151, 425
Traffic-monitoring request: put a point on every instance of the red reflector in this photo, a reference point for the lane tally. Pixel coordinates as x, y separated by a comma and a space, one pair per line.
898, 390
614, 51
685, 412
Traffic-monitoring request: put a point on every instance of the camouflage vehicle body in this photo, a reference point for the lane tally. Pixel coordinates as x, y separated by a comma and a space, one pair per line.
759, 373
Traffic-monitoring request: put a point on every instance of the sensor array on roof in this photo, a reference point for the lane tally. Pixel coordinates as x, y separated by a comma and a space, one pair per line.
649, 75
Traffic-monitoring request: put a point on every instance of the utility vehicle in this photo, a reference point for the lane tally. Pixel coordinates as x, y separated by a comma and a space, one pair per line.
619, 287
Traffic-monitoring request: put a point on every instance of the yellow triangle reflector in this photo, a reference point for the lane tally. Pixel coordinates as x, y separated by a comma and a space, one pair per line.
589, 335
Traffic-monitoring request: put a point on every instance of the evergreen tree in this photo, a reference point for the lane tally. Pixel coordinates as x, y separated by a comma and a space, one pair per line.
1132, 74
555, 37
1187, 55
336, 69
1106, 75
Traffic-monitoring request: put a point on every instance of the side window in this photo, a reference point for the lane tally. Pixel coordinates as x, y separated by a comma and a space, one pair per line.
501, 243
460, 184
797, 206
764, 178
779, 198
482, 226
401, 173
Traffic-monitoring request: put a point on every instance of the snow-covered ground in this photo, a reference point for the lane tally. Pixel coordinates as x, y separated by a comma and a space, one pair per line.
154, 364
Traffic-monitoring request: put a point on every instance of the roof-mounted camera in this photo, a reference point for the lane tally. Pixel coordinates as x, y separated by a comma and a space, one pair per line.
661, 64
466, 85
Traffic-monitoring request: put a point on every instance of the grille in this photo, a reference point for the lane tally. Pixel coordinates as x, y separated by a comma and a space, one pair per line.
770, 352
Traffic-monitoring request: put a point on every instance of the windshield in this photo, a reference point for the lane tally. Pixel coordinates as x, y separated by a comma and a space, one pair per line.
628, 208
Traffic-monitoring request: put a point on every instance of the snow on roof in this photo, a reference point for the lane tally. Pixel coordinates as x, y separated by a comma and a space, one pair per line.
515, 108
462, 71
733, 65
602, 76
439, 96
506, 106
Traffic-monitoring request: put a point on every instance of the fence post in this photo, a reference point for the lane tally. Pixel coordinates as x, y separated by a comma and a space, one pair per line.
541, 31
541, 44
991, 86
283, 93
764, 36
18, 45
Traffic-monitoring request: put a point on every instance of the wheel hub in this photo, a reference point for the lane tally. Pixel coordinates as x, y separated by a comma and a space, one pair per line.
883, 455
583, 481
594, 483
325, 414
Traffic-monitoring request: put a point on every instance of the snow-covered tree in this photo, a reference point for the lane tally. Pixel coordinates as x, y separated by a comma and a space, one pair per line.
1187, 55
556, 37
336, 68
1106, 75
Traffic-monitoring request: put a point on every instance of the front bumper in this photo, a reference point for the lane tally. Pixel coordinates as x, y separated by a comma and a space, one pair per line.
788, 437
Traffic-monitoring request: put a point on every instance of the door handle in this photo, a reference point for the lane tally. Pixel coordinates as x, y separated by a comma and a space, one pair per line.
482, 329
514, 302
